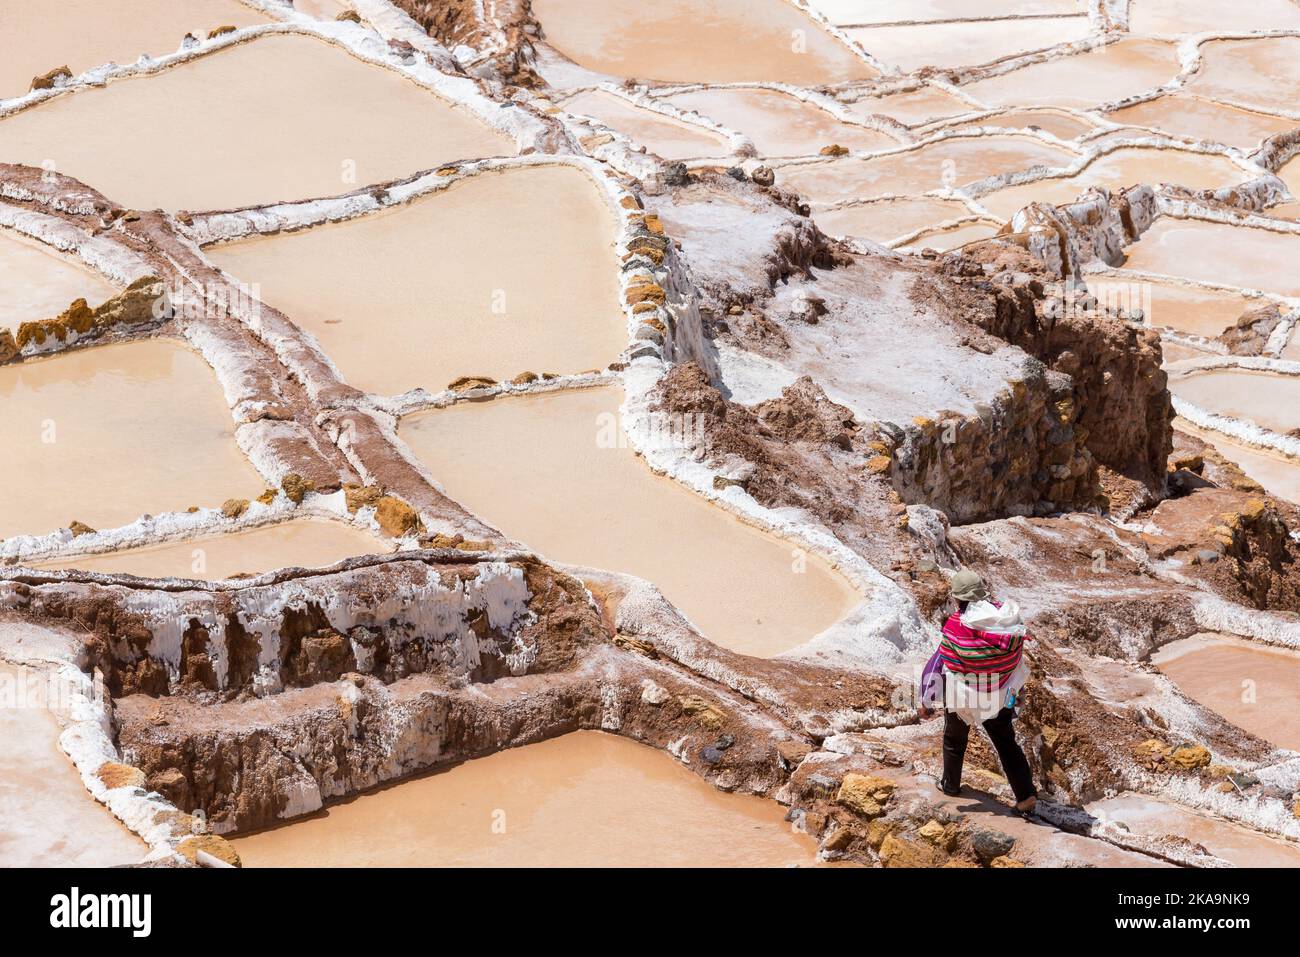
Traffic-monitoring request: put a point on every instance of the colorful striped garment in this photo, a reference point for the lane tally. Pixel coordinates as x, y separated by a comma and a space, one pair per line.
966, 651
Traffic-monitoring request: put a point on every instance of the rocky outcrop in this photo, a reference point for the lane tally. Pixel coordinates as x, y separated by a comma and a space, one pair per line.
1249, 335
143, 303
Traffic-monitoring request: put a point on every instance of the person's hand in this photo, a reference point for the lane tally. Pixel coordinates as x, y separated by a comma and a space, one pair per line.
925, 714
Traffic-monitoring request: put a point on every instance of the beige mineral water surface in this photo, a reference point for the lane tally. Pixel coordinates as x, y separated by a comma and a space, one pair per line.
1279, 474
1088, 79
535, 468
846, 12
281, 117
1126, 166
888, 219
105, 434
1255, 687
38, 282
497, 274
912, 46
778, 124
946, 239
1216, 252
1151, 817
1061, 125
1262, 72
1220, 16
47, 817
1271, 401
951, 162
1189, 309
671, 139
723, 41
1197, 119
301, 543
40, 35
587, 799
913, 107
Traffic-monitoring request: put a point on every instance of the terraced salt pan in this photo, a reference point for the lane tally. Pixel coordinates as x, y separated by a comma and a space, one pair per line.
888, 219
295, 544
280, 117
1290, 174
724, 41
1271, 401
912, 108
47, 817
946, 163
1110, 73
778, 124
1263, 72
586, 799
671, 139
106, 434
1061, 125
1191, 309
1219, 253
1126, 166
500, 273
37, 282
1278, 474
1151, 817
1255, 687
846, 12
82, 34
535, 468
910, 47
1196, 16
946, 239
1193, 118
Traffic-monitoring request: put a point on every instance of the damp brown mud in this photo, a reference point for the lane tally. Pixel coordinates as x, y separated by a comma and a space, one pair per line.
554, 472
586, 799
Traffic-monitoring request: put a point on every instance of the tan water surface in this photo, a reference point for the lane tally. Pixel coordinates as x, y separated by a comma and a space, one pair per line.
671, 139
1217, 252
1255, 687
38, 282
946, 163
476, 279
780, 125
888, 219
1188, 116
1124, 167
105, 434
723, 41
1220, 16
47, 817
910, 47
946, 239
1277, 473
1089, 79
535, 468
284, 117
1061, 125
892, 11
1269, 400
914, 107
586, 799
1263, 72
40, 35
302, 543
1190, 309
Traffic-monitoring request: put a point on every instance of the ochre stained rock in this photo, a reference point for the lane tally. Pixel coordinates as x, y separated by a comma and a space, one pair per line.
218, 847
395, 517
865, 794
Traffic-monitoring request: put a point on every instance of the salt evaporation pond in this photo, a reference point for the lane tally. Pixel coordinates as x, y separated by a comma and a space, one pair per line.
1254, 686
1278, 474
724, 41
945, 163
779, 124
475, 279
660, 134
1119, 169
586, 799
1269, 400
280, 117
1196, 16
1152, 817
1193, 118
1263, 72
886, 219
580, 503
913, 107
303, 543
1104, 75
947, 239
1061, 125
82, 34
47, 817
105, 434
38, 282
1240, 256
909, 47
1193, 310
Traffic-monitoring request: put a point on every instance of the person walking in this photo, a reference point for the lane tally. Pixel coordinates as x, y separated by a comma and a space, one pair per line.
977, 674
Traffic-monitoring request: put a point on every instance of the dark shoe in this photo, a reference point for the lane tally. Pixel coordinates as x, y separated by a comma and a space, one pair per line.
943, 786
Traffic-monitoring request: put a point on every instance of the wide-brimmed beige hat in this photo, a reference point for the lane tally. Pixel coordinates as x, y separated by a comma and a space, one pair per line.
968, 586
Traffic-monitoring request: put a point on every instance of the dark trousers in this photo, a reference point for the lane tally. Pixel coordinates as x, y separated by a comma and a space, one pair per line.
1014, 764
